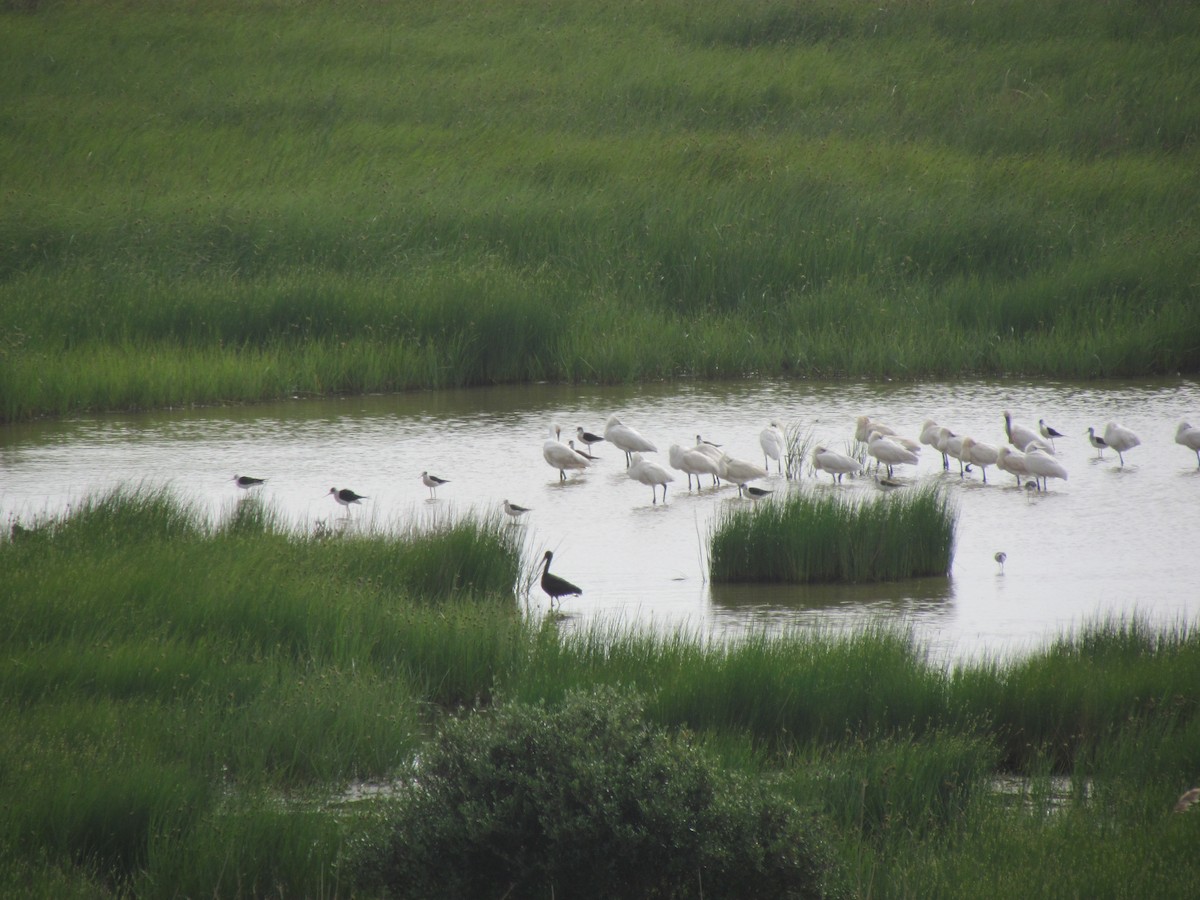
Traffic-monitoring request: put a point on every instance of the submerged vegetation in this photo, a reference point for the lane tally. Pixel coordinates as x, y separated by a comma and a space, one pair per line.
232, 708
225, 201
807, 537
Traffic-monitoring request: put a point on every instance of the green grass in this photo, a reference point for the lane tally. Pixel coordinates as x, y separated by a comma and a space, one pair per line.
807, 538
221, 202
184, 701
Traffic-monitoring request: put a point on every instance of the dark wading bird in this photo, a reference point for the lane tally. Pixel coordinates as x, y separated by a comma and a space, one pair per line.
554, 585
1000, 557
245, 482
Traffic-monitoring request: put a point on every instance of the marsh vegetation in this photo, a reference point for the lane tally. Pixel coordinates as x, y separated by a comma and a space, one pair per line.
226, 201
186, 703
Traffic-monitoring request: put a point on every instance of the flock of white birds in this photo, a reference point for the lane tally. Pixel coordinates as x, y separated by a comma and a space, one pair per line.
1029, 453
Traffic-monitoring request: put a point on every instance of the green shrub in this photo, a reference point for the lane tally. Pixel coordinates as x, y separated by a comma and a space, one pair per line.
587, 800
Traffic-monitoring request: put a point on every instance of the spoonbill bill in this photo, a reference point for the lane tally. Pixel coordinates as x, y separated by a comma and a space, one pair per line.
1120, 439
651, 473
625, 438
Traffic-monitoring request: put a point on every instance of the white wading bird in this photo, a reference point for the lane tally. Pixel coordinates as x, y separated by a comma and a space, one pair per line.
1189, 436
951, 444
929, 437
651, 473
559, 456
1019, 435
979, 454
1120, 439
1042, 466
773, 446
739, 471
836, 464
1011, 461
693, 462
713, 452
625, 438
889, 452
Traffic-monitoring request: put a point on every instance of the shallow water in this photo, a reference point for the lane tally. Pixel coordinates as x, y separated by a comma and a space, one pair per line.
1110, 541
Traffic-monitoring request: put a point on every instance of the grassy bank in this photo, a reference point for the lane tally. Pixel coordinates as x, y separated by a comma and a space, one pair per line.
184, 703
806, 538
210, 202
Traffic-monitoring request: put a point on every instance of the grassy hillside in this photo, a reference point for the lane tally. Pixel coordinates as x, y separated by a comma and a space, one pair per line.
217, 201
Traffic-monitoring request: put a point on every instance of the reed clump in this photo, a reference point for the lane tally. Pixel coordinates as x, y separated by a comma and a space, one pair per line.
809, 537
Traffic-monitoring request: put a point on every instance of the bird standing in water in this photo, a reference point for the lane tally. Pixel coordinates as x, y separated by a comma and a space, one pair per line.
1000, 557
245, 482
432, 482
555, 586
346, 496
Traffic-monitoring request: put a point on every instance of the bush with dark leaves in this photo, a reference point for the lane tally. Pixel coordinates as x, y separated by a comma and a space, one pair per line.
587, 800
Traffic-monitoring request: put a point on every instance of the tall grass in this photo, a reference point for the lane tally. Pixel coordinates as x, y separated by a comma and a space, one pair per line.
813, 538
222, 202
181, 700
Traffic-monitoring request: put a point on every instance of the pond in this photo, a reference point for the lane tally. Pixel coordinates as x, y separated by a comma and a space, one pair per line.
1112, 540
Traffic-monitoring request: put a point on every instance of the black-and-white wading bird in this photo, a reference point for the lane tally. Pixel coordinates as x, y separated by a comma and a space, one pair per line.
587, 438
554, 585
1096, 441
345, 497
757, 493
1048, 431
1000, 557
433, 483
514, 511
245, 482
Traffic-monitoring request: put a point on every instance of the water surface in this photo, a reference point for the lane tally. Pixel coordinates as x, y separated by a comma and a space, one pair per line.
1111, 540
